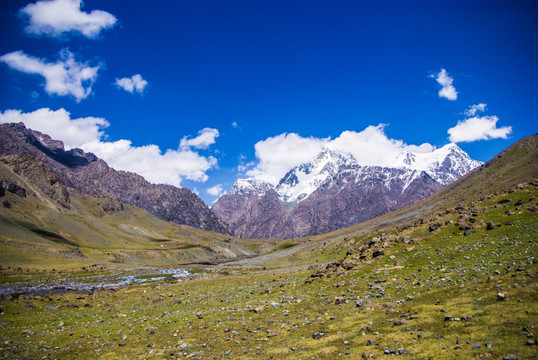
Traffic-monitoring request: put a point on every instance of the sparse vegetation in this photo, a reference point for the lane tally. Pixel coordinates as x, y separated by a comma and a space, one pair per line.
432, 294
451, 277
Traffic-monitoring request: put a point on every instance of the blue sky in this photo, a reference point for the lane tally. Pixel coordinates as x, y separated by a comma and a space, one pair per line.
200, 93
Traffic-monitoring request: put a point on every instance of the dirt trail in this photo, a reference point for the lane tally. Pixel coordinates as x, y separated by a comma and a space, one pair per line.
259, 260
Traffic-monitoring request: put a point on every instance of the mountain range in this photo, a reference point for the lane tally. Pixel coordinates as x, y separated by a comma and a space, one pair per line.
334, 191
330, 192
54, 170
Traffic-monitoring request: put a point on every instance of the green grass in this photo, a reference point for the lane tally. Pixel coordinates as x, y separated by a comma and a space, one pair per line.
442, 273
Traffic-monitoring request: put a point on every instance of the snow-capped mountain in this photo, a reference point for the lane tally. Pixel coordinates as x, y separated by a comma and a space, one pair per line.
304, 179
250, 186
444, 165
333, 191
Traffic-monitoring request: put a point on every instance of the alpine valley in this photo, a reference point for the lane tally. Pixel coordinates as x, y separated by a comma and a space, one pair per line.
334, 191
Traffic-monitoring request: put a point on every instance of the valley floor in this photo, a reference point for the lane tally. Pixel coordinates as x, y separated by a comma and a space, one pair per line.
461, 284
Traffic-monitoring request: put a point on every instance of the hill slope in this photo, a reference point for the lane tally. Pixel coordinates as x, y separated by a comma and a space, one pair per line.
88, 175
453, 277
44, 223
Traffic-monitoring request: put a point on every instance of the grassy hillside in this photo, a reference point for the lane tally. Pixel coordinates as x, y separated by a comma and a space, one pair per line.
453, 277
37, 232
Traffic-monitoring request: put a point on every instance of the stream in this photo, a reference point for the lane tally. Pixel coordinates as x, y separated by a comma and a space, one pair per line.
89, 283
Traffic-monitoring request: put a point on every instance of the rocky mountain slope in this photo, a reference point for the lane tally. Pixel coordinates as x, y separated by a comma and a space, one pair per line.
333, 191
86, 174
451, 277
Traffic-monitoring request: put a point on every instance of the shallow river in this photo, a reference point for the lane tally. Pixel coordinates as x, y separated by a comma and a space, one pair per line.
89, 283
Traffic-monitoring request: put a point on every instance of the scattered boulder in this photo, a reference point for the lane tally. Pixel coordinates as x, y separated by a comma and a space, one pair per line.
378, 253
17, 190
318, 335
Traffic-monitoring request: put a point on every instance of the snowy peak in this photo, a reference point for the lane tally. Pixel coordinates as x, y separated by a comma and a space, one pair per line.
250, 186
444, 165
304, 179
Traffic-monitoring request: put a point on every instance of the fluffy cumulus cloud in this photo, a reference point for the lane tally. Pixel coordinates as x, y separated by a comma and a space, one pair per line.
56, 17
64, 77
133, 84
371, 146
169, 167
59, 125
448, 90
474, 127
206, 137
216, 190
277, 155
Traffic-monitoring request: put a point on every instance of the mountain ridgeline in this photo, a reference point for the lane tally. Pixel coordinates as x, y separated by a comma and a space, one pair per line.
55, 171
333, 191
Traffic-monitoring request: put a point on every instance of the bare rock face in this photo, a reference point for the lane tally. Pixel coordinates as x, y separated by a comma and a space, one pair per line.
332, 192
267, 212
44, 162
37, 173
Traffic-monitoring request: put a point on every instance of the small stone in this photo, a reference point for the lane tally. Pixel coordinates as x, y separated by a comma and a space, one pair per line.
339, 300
399, 322
477, 346
511, 357
501, 296
489, 345
318, 335
490, 226
359, 303
467, 318
371, 343
258, 310
529, 342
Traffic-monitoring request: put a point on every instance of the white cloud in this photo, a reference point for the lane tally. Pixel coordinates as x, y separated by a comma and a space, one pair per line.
132, 84
56, 17
59, 125
235, 125
64, 77
476, 128
471, 111
279, 154
205, 138
216, 190
371, 146
170, 167
447, 89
